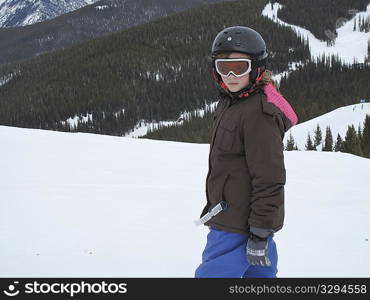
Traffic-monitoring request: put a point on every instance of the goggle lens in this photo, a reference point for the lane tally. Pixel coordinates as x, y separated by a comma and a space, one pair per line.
238, 67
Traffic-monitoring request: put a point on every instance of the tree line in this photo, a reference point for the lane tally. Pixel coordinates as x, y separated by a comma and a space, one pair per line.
356, 141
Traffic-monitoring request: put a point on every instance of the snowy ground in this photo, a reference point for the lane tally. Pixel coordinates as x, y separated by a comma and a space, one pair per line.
75, 204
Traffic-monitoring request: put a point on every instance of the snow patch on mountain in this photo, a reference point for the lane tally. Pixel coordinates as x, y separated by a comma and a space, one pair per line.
14, 13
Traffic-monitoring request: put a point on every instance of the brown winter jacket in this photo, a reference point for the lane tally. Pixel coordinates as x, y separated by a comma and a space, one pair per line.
246, 164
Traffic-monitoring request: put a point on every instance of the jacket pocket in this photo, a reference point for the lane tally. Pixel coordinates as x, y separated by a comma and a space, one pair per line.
218, 196
227, 136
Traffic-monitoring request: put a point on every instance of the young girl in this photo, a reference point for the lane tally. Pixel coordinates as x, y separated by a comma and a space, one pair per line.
246, 175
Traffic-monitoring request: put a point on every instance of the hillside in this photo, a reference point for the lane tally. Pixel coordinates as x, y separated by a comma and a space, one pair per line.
152, 71
84, 24
338, 120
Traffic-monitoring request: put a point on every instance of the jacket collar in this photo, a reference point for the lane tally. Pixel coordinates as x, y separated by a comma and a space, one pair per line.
250, 89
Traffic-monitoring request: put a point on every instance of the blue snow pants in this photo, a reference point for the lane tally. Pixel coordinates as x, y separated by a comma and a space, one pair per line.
225, 256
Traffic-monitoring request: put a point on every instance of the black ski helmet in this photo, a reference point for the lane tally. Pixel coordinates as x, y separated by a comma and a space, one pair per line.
240, 39
245, 40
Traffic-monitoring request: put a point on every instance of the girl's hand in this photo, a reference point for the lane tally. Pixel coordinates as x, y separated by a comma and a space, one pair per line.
257, 247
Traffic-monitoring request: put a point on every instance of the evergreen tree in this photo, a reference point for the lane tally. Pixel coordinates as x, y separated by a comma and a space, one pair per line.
318, 136
290, 143
309, 145
328, 144
365, 140
359, 134
338, 144
351, 143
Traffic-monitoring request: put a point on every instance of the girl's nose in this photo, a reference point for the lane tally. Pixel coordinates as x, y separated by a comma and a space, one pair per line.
231, 73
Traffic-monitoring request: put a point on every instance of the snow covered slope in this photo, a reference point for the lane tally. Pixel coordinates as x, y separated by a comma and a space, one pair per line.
349, 45
77, 204
338, 120
15, 13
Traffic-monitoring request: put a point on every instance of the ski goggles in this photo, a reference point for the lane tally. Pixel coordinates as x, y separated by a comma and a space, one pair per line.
238, 66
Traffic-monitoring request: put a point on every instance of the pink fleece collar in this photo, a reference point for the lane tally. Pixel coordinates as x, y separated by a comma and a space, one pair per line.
278, 100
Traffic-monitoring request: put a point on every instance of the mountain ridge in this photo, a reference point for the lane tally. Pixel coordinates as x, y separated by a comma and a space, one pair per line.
15, 13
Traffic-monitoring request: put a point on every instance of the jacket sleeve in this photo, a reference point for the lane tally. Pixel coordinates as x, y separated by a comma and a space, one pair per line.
263, 144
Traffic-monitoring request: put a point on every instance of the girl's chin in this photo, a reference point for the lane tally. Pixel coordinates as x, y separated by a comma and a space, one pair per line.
234, 88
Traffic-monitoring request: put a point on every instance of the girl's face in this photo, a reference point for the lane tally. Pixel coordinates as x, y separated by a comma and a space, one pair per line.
233, 83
